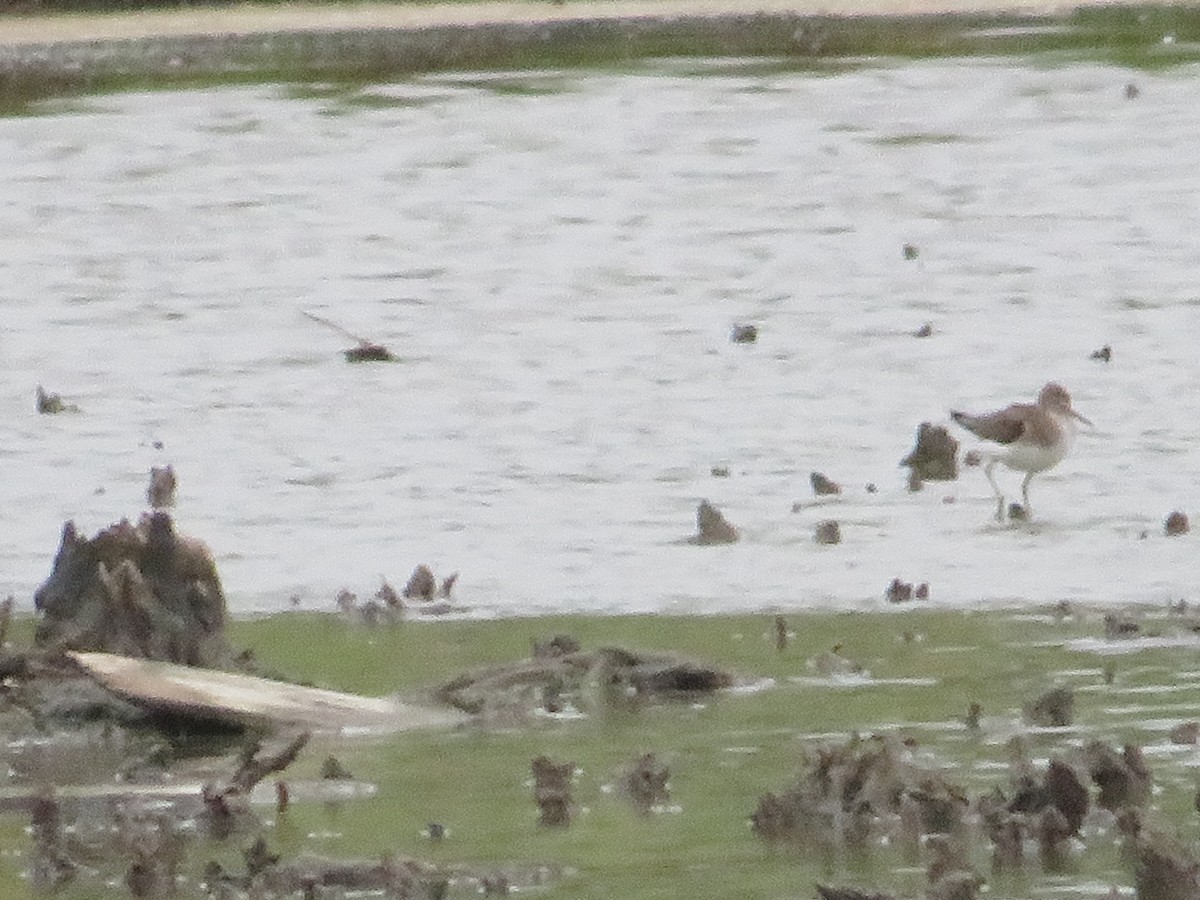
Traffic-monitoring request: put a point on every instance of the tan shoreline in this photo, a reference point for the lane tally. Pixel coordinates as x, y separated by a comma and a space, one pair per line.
249, 19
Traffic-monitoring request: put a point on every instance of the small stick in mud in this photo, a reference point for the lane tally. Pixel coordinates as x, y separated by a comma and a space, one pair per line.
6, 611
366, 351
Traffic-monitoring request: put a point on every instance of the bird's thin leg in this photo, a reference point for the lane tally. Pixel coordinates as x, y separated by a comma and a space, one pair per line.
1025, 494
987, 470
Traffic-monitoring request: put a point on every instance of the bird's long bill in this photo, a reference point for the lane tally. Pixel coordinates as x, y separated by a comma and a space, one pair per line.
1086, 421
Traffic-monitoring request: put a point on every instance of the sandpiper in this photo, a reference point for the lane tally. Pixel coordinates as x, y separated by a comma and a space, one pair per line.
1033, 437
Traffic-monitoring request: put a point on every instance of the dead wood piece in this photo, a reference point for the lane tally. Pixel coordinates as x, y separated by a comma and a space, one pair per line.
1124, 778
823, 486
140, 591
1163, 870
712, 527
1067, 793
256, 766
557, 646
6, 612
1053, 709
52, 404
365, 351
526, 683
552, 790
388, 597
645, 783
1176, 524
421, 584
50, 866
828, 532
935, 456
161, 491
846, 893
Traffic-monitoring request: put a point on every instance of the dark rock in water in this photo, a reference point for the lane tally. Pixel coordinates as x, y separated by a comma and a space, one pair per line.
1104, 354
1053, 709
139, 591
914, 482
828, 532
645, 783
1017, 513
935, 456
909, 251
744, 334
1124, 778
823, 486
921, 592
924, 331
972, 458
1132, 91
712, 527
898, 591
552, 791
161, 491
719, 471
1176, 524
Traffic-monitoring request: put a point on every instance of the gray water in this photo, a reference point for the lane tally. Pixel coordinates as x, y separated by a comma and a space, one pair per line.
559, 258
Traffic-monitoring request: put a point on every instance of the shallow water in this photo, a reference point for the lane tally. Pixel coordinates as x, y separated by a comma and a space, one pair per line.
559, 258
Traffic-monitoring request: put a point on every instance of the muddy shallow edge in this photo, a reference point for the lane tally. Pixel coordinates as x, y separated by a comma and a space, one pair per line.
31, 71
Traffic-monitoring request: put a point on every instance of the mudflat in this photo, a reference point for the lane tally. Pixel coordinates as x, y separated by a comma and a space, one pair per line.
247, 19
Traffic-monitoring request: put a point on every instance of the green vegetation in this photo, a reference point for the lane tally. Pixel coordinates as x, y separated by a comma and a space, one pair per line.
922, 669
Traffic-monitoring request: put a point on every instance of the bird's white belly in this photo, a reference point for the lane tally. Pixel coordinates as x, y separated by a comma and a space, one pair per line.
1031, 457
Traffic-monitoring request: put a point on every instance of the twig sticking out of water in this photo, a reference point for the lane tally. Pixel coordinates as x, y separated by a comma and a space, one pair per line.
366, 351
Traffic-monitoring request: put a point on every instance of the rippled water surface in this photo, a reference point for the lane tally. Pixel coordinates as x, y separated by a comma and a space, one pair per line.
559, 259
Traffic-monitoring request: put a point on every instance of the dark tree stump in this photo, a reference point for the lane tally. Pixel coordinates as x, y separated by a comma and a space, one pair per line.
140, 591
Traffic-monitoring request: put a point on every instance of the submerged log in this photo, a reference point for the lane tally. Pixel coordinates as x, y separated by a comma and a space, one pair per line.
140, 591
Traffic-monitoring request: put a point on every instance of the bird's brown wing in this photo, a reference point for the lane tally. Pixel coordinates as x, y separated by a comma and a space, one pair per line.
1003, 427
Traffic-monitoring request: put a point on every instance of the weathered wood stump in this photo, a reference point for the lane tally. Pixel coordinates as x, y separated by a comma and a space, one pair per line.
140, 591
